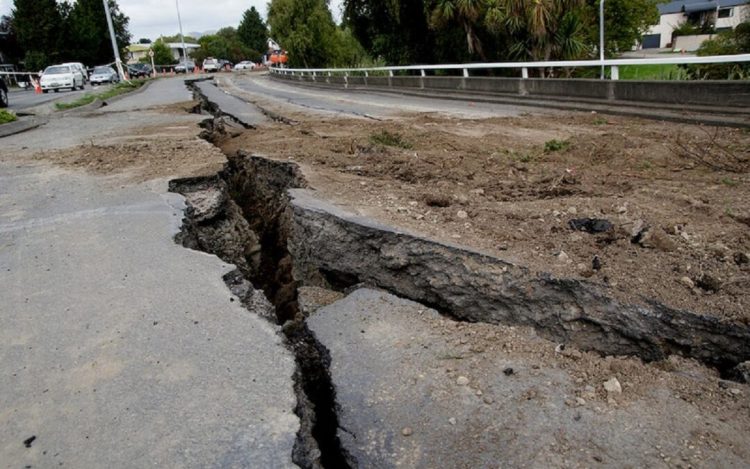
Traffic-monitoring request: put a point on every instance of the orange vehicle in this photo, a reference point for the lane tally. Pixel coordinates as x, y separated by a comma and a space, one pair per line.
276, 55
279, 57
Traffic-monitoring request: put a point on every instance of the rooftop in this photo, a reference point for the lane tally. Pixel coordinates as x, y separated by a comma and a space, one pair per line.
678, 6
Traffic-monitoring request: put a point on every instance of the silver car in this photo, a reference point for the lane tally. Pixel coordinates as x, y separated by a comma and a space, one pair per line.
103, 75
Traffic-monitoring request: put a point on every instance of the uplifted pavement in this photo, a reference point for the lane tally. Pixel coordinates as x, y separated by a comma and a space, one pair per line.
118, 347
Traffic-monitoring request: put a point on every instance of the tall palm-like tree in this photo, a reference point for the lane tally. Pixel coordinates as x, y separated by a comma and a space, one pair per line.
466, 13
543, 29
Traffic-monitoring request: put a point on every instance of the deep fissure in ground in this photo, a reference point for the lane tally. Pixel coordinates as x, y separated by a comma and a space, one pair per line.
241, 215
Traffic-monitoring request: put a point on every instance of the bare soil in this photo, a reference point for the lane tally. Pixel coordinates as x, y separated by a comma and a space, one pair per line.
153, 152
677, 195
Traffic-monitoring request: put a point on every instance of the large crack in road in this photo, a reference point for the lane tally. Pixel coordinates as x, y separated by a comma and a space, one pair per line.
258, 215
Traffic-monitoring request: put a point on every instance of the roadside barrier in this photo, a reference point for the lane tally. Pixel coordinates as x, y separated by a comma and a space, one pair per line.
37, 86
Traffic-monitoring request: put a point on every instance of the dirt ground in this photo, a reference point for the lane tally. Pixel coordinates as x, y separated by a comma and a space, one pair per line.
152, 152
677, 195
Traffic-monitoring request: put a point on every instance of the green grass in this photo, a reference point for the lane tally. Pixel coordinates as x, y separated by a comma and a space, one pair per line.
6, 117
389, 139
652, 72
88, 98
555, 145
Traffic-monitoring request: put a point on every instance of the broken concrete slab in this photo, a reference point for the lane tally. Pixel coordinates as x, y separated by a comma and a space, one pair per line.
221, 103
122, 348
331, 245
416, 390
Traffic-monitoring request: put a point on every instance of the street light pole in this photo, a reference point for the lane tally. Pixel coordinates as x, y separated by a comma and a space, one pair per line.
115, 49
601, 36
182, 38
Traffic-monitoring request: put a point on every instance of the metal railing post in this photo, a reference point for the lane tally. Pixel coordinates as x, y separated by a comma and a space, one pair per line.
525, 73
615, 72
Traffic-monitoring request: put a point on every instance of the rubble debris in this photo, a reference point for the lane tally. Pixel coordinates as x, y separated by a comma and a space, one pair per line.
590, 225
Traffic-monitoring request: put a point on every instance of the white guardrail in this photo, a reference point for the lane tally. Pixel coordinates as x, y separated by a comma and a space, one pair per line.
613, 64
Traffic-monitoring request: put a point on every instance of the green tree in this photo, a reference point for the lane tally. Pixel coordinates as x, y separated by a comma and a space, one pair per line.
90, 35
306, 29
398, 32
37, 25
10, 50
467, 14
162, 54
736, 41
543, 29
225, 44
625, 22
176, 38
253, 32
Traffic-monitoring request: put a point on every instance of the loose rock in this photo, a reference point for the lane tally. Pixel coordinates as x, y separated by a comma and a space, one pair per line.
687, 282
590, 225
709, 283
462, 381
613, 386
740, 258
407, 431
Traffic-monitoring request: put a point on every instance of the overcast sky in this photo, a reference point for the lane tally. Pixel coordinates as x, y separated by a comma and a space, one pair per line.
153, 18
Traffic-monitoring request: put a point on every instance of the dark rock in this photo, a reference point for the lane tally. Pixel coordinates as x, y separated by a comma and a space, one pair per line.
709, 283
741, 372
740, 258
596, 264
590, 225
437, 200
508, 371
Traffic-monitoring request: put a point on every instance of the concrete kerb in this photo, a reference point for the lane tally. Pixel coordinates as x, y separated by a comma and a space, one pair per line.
98, 103
23, 124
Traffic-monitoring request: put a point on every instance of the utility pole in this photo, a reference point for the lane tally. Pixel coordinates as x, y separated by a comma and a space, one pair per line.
118, 61
182, 38
601, 35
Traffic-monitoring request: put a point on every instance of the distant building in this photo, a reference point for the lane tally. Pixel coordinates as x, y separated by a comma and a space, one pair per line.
176, 48
136, 52
723, 14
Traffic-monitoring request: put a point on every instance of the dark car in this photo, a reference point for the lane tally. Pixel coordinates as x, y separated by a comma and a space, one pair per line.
139, 70
3, 93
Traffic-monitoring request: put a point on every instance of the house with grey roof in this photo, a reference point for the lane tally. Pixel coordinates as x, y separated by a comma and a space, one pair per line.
723, 14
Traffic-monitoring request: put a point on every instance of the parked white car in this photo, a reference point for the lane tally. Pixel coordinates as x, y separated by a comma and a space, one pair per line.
210, 65
245, 65
57, 77
81, 68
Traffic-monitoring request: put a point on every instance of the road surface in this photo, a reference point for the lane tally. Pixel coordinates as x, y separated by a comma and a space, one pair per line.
24, 100
264, 91
118, 347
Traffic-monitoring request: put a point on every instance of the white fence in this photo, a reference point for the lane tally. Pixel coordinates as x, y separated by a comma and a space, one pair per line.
524, 67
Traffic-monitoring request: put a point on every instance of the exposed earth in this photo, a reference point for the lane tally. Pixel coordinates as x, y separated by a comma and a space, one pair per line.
677, 195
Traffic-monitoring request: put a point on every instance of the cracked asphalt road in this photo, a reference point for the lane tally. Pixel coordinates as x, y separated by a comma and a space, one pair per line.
118, 347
